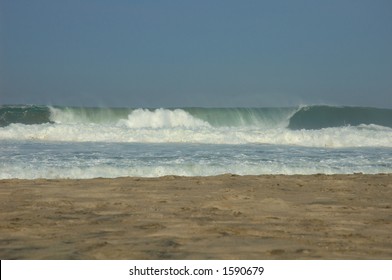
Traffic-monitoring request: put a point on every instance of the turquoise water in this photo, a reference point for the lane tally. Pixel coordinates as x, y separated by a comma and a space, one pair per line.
305, 117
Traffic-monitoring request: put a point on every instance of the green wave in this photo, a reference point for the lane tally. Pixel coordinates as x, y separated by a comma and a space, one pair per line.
309, 117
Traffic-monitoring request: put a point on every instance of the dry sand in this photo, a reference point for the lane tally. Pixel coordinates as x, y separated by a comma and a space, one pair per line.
222, 217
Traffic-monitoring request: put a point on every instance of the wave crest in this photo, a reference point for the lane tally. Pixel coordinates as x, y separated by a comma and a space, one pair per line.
318, 117
162, 118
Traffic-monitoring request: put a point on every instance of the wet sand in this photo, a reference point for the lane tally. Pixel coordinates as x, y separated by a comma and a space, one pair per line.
222, 217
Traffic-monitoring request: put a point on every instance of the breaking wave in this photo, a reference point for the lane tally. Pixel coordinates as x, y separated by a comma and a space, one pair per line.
317, 126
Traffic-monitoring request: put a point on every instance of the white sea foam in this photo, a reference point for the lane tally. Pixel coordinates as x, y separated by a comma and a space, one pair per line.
151, 171
162, 118
110, 160
188, 130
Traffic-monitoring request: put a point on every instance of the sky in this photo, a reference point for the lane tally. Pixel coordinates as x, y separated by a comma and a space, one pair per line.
204, 53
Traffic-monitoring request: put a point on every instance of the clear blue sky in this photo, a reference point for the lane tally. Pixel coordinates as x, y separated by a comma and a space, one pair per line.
196, 53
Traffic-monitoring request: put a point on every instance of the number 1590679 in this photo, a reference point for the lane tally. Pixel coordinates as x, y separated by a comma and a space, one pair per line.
233, 270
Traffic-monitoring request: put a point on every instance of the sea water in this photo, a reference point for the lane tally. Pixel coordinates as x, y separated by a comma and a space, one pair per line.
65, 142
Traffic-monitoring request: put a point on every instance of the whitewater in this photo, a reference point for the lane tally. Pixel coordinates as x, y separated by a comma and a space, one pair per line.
77, 142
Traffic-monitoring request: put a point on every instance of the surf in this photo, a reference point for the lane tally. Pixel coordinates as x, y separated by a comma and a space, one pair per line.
314, 126
303, 117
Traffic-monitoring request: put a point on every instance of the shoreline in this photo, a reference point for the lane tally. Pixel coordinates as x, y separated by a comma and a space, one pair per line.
219, 217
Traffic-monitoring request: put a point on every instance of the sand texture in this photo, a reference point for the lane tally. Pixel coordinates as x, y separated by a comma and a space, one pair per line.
222, 217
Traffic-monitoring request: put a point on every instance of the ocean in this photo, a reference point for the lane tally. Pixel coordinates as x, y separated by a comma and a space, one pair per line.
76, 142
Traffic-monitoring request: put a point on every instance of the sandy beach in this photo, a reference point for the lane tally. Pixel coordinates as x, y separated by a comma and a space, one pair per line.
221, 217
